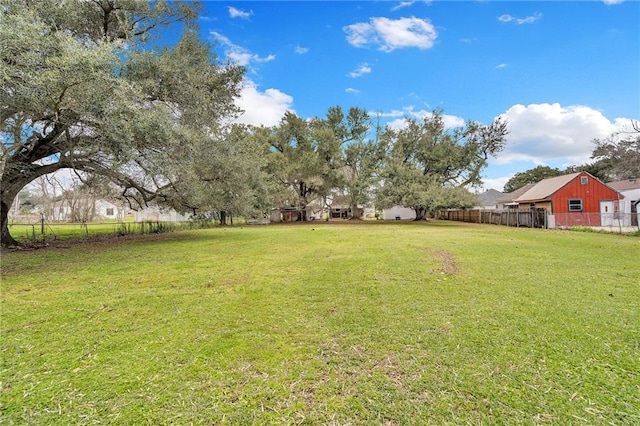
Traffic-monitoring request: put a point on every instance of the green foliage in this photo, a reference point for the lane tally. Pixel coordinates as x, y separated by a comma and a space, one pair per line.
582, 229
307, 158
369, 324
83, 88
428, 167
597, 169
363, 162
619, 154
534, 175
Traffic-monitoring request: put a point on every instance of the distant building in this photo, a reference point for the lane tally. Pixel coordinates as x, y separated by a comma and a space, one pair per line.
488, 200
508, 200
577, 199
630, 188
398, 213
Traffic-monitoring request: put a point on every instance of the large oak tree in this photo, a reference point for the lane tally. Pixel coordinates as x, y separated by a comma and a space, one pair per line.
430, 167
84, 88
307, 157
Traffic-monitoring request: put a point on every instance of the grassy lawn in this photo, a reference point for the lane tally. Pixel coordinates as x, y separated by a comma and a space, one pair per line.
395, 323
51, 232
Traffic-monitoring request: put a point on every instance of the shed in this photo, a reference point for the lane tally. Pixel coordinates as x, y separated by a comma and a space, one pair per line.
398, 213
574, 199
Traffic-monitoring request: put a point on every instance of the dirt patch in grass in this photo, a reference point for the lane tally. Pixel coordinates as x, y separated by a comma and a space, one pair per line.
446, 260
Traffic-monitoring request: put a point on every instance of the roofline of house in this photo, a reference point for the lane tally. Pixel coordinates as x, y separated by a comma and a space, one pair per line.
558, 189
539, 200
550, 196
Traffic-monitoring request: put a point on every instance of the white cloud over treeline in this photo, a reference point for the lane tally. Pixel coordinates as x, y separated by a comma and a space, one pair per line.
547, 132
262, 108
239, 54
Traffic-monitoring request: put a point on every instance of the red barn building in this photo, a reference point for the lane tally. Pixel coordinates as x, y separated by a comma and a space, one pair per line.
577, 199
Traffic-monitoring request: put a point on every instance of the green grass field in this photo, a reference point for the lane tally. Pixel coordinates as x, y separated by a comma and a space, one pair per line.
393, 324
37, 234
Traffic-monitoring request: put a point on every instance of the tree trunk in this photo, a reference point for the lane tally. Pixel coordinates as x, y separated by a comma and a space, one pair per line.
223, 217
6, 200
421, 213
355, 212
302, 202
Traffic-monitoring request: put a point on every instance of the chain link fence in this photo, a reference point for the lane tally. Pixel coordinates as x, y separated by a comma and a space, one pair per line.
613, 222
41, 230
538, 218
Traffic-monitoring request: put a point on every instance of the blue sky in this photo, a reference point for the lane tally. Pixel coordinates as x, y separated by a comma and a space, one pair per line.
562, 73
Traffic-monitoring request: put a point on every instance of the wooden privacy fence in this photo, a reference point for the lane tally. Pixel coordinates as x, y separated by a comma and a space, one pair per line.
531, 218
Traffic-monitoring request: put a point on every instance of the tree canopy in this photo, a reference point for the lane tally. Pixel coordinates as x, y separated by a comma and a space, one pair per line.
83, 88
619, 154
307, 157
429, 167
86, 88
534, 175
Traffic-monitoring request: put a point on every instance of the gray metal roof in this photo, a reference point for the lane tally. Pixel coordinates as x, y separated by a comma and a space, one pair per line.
489, 197
625, 185
547, 187
511, 196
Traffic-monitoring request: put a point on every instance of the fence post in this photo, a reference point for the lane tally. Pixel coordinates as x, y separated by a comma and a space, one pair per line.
42, 224
532, 218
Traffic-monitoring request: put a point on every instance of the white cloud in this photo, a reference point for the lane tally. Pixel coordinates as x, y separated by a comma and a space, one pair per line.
409, 3
528, 20
503, 65
360, 71
301, 50
403, 4
262, 108
352, 90
495, 183
450, 121
207, 18
245, 58
610, 2
237, 13
551, 132
239, 54
392, 34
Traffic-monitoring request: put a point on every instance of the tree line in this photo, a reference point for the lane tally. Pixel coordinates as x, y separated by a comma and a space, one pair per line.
88, 86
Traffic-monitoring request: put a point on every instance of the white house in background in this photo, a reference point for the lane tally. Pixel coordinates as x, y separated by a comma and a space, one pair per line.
157, 214
85, 210
398, 213
630, 206
107, 210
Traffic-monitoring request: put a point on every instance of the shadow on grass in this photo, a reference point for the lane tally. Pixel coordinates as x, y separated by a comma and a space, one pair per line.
108, 239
